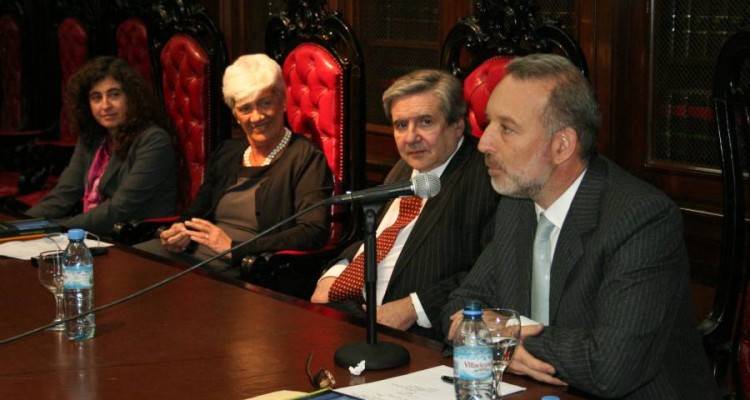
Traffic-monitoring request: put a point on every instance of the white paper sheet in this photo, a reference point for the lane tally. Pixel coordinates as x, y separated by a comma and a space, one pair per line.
25, 249
421, 385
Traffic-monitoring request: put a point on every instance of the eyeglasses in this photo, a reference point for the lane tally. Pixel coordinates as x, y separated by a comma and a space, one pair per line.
323, 379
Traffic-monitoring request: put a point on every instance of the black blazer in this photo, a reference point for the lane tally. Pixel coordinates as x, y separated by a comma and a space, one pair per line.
449, 233
140, 186
621, 317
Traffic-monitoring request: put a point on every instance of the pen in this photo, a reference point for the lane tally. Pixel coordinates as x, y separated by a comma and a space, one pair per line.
23, 237
447, 379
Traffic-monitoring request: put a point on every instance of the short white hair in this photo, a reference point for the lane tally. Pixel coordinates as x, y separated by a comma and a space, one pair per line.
249, 75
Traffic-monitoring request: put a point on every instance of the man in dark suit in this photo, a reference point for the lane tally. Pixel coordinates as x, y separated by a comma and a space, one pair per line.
616, 312
434, 252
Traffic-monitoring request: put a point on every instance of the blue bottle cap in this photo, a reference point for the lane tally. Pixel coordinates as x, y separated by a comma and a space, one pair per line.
76, 234
550, 397
473, 308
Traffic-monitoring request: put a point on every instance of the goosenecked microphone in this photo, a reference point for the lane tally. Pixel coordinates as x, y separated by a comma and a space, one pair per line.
423, 185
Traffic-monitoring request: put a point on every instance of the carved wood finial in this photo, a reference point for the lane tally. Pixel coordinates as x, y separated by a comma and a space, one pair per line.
306, 18
506, 25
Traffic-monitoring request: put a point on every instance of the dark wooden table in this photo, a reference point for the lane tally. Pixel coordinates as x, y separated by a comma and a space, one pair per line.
195, 338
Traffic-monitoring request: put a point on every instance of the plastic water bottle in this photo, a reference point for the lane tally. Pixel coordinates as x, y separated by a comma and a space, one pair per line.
472, 356
78, 286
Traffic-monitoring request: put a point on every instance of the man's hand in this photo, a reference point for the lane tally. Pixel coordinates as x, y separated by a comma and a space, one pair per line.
399, 314
321, 290
526, 364
455, 321
175, 239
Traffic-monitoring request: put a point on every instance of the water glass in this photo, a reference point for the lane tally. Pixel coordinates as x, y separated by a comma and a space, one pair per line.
504, 326
51, 277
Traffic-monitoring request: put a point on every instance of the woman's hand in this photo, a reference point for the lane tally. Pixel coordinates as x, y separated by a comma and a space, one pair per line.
175, 239
208, 234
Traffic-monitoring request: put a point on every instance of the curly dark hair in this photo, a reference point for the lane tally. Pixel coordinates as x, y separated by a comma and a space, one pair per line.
143, 107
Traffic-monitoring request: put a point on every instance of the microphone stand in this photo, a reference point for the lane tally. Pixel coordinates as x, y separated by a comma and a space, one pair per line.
377, 355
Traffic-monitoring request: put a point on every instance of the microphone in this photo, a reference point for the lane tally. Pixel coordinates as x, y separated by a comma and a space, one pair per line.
423, 185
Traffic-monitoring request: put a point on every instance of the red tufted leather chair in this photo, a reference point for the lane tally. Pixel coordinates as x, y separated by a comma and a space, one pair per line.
191, 61
322, 68
133, 46
10, 66
73, 51
479, 47
54, 147
10, 98
185, 87
15, 95
315, 92
478, 86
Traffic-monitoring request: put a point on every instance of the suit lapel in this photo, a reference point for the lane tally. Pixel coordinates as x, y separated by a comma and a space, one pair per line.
113, 166
580, 221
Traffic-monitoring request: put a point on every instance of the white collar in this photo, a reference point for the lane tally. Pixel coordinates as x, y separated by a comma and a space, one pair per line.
557, 212
438, 171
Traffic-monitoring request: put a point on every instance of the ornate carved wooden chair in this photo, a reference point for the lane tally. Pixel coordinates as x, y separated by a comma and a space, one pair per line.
130, 21
726, 331
192, 59
14, 45
14, 99
323, 69
74, 32
477, 49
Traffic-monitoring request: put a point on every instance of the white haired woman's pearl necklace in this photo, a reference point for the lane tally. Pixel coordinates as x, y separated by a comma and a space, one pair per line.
272, 154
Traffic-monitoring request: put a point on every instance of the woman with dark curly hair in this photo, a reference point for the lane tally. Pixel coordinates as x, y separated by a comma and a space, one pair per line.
124, 165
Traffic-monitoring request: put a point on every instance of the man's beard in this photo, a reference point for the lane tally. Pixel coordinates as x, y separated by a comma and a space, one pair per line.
515, 185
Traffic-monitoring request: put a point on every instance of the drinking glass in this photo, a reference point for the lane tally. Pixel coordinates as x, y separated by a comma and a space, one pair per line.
504, 326
51, 277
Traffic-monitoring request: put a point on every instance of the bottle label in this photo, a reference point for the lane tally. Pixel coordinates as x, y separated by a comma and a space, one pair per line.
78, 277
472, 362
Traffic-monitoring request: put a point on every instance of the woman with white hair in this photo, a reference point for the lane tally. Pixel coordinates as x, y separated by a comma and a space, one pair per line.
258, 180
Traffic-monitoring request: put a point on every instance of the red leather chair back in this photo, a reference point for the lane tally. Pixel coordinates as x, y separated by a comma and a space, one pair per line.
185, 75
315, 108
478, 86
11, 70
479, 46
133, 46
73, 45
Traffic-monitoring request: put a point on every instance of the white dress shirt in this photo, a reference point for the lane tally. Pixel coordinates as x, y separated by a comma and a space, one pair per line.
556, 214
385, 267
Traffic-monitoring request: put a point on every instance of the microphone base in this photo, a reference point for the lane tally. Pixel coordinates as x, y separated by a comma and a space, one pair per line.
381, 355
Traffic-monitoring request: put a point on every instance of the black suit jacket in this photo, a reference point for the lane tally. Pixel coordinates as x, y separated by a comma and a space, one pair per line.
621, 317
449, 233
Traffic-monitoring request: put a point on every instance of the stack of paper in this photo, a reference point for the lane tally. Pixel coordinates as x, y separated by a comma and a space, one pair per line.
421, 385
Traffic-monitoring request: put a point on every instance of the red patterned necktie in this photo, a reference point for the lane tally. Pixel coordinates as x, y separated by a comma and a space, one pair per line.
348, 286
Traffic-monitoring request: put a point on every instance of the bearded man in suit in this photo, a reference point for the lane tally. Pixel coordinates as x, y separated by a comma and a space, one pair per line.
614, 303
432, 254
